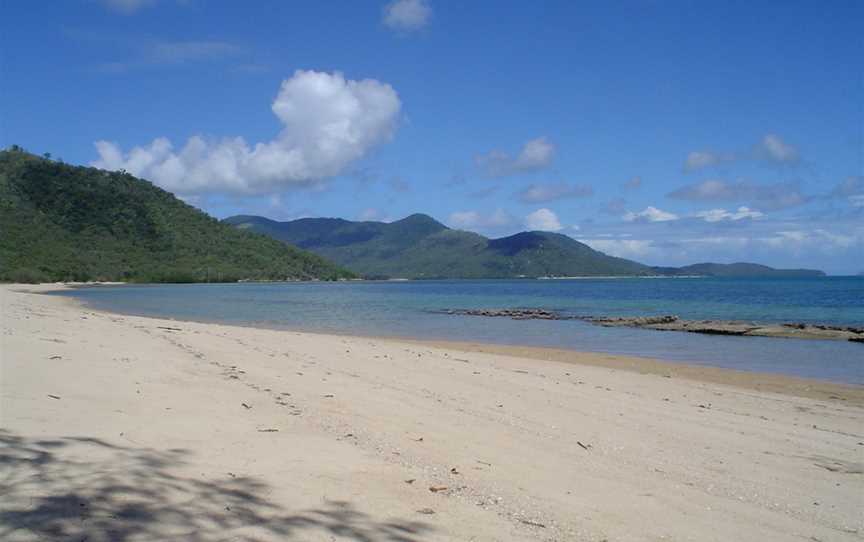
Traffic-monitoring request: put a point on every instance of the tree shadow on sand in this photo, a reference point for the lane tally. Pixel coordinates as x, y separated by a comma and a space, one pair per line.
75, 488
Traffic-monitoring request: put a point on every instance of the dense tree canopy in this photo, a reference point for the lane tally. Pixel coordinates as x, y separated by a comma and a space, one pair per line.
61, 222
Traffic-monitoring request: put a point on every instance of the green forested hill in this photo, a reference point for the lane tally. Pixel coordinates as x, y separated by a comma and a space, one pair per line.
60, 222
420, 247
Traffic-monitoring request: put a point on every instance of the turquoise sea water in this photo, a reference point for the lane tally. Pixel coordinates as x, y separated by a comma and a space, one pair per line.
409, 309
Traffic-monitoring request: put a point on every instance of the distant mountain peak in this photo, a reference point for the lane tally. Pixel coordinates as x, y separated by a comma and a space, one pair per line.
418, 246
420, 219
416, 225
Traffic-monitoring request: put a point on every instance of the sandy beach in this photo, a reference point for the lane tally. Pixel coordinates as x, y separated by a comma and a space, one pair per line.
128, 428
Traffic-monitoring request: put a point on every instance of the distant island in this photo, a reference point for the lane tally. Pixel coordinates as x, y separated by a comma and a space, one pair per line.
67, 223
736, 270
420, 247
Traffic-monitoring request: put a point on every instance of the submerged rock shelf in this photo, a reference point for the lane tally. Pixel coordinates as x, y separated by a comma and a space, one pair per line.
792, 330
515, 314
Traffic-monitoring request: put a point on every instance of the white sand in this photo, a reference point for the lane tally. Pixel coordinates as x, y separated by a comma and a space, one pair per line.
115, 428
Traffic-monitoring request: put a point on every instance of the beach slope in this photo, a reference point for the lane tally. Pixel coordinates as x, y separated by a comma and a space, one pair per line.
127, 428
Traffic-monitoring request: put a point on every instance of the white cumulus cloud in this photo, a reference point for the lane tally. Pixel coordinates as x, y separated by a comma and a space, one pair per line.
406, 15
328, 122
650, 214
543, 220
535, 155
720, 215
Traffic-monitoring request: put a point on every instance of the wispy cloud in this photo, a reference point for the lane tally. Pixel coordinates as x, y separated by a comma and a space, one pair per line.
774, 196
405, 16
615, 207
796, 241
251, 68
373, 214
622, 248
131, 7
719, 215
180, 52
650, 214
535, 155
154, 53
771, 149
635, 183
484, 193
497, 220
697, 160
399, 184
542, 193
851, 186
127, 7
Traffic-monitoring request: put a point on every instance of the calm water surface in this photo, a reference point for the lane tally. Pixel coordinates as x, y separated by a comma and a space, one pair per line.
408, 309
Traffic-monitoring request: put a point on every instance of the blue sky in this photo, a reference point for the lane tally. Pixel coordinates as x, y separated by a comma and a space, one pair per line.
668, 132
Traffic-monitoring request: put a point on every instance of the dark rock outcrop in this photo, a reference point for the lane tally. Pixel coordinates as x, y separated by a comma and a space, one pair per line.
792, 330
515, 314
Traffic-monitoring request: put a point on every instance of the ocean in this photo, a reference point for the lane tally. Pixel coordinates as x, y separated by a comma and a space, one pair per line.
411, 309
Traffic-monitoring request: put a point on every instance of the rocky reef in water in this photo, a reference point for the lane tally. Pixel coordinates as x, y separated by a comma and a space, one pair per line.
791, 330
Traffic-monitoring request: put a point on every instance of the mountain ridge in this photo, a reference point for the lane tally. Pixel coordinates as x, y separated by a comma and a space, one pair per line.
418, 246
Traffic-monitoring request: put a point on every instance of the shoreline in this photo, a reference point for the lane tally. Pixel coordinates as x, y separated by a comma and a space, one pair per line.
274, 434
754, 380
747, 380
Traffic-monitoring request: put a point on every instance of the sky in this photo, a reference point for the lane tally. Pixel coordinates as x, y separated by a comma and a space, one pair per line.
669, 132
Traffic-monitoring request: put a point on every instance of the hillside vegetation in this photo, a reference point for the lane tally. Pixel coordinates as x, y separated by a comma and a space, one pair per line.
65, 223
420, 247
